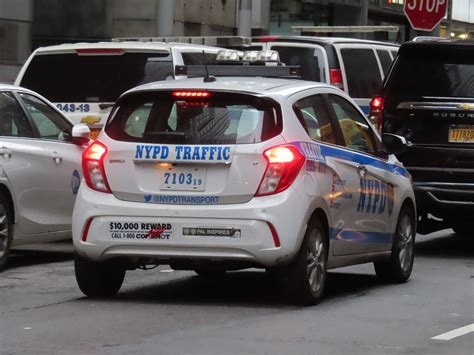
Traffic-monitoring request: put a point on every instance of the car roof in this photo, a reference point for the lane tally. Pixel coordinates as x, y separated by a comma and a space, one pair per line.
250, 85
321, 40
127, 45
9, 87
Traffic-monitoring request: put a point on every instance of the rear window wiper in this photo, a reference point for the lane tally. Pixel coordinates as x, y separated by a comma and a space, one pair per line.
165, 136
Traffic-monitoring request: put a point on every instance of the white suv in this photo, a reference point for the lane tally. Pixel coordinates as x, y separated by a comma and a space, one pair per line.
84, 80
222, 175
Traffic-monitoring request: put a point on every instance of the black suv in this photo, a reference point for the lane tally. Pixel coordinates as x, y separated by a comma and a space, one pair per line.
428, 98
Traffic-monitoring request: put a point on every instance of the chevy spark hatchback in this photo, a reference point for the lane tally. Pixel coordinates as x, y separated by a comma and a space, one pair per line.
279, 174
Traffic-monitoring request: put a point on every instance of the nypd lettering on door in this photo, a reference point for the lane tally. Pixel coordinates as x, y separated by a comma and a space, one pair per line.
184, 153
375, 197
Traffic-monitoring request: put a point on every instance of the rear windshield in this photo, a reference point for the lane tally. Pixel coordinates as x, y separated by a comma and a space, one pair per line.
222, 118
94, 78
433, 72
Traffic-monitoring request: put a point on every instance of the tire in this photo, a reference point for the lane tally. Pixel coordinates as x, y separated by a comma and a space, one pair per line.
306, 276
98, 280
398, 267
6, 230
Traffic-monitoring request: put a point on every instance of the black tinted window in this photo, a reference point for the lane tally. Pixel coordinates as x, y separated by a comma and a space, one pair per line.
434, 72
92, 78
385, 60
314, 117
311, 67
362, 72
220, 119
13, 122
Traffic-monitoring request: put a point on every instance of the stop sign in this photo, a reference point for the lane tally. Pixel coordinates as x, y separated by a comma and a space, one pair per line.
425, 15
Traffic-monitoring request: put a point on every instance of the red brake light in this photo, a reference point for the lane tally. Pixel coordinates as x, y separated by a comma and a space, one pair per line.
335, 77
93, 167
100, 51
191, 94
267, 38
376, 111
283, 166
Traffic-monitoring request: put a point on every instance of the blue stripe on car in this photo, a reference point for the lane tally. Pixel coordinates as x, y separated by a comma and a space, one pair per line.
360, 237
349, 155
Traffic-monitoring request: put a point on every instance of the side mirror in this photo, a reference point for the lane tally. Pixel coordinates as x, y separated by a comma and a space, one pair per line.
394, 144
80, 134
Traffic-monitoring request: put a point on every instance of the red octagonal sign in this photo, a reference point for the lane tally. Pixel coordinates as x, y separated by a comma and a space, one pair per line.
425, 15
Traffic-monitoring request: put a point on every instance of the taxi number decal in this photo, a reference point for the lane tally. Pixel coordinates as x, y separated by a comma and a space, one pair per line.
73, 107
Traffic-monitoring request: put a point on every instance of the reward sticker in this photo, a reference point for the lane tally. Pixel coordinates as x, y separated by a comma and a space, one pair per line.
140, 230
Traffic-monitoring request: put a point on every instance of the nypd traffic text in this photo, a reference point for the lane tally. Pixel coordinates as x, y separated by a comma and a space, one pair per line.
216, 153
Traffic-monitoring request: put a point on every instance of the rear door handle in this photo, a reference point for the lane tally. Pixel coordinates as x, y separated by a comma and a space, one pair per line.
5, 152
362, 169
57, 157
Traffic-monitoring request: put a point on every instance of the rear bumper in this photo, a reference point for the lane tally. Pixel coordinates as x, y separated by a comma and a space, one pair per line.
167, 234
444, 200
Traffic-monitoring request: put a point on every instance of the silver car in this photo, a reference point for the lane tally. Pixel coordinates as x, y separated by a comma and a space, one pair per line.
40, 169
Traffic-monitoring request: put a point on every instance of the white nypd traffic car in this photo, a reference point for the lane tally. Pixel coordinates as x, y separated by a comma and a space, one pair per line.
241, 172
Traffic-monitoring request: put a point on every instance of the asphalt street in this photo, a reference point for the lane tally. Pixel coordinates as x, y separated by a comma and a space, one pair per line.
162, 311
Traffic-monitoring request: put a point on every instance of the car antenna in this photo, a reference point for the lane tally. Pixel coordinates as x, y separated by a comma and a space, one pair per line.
207, 78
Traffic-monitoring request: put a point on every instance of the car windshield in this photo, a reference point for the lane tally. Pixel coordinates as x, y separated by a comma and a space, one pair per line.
219, 118
434, 72
94, 78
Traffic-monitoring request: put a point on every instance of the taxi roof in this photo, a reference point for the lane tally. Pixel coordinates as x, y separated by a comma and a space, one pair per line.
251, 85
132, 45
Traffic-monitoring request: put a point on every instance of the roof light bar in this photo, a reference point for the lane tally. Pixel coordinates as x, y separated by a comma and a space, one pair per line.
228, 56
261, 56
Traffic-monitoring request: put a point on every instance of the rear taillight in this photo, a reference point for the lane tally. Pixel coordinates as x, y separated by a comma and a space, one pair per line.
283, 166
335, 77
93, 167
376, 111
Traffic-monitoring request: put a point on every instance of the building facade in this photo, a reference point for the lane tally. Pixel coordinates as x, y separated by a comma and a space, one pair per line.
15, 36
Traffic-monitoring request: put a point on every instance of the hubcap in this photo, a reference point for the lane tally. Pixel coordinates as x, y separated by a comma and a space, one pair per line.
405, 233
3, 231
316, 259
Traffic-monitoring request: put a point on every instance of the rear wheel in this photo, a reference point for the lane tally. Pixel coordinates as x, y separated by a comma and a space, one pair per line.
398, 268
98, 279
306, 275
6, 232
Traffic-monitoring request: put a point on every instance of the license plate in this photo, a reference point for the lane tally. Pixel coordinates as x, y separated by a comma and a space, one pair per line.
461, 134
183, 179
